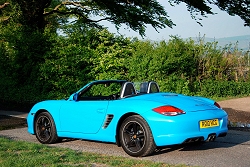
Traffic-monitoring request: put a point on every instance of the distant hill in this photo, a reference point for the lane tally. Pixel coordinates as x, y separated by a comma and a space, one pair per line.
243, 41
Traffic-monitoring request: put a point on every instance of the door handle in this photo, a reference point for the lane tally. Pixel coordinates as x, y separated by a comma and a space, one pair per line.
100, 110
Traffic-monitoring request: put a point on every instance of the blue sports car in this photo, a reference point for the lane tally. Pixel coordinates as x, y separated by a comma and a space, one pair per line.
139, 120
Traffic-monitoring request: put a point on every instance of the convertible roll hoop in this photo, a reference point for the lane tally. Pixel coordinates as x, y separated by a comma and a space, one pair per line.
128, 88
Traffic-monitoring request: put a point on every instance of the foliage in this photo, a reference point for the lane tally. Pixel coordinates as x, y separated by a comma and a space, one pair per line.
42, 13
38, 65
103, 90
175, 57
136, 14
190, 67
37, 62
110, 55
211, 88
22, 49
203, 7
80, 56
66, 66
239, 8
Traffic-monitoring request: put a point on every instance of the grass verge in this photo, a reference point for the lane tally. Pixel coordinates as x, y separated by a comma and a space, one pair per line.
20, 153
227, 98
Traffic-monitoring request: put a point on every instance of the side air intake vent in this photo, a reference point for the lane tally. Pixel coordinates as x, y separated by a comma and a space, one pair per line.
109, 118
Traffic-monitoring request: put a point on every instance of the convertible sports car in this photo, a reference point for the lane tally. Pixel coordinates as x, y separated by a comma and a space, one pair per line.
139, 120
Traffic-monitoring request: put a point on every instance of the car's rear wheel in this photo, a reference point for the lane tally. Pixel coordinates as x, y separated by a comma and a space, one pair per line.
136, 137
45, 129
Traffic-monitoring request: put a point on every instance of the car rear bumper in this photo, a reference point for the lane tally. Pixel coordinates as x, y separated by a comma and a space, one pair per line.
172, 139
171, 130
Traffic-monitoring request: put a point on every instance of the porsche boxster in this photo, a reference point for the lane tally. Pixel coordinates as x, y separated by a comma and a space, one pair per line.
139, 117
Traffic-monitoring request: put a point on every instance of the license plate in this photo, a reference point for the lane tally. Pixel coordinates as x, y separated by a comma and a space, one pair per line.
209, 123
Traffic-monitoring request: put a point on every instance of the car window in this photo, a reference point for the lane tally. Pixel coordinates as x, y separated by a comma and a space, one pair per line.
101, 91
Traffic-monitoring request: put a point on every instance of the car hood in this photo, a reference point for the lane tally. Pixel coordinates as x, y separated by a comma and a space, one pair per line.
185, 103
48, 105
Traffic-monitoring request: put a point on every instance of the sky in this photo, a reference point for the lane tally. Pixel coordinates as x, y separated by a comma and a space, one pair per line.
216, 26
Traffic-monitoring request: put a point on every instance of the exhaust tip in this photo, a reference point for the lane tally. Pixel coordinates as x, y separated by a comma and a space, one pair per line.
194, 140
211, 137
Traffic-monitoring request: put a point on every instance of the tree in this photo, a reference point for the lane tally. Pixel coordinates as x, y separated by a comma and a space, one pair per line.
239, 8
136, 14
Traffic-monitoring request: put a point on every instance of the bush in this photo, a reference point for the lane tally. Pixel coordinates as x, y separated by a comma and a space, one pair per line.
42, 65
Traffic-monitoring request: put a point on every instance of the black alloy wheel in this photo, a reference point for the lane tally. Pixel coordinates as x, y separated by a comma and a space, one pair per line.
45, 129
136, 137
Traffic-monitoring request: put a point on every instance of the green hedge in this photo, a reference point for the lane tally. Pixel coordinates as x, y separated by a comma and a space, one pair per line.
52, 67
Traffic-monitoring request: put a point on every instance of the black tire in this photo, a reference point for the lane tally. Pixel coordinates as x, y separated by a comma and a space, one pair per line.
45, 129
135, 137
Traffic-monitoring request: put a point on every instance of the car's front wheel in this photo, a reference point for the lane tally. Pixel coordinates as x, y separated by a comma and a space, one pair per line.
136, 137
45, 129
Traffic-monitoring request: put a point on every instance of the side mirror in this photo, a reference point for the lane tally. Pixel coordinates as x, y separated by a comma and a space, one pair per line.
75, 96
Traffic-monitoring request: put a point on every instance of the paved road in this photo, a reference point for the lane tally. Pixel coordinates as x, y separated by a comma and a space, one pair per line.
230, 151
242, 104
14, 113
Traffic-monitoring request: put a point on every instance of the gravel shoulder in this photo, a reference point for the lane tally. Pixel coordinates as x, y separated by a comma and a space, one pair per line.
240, 104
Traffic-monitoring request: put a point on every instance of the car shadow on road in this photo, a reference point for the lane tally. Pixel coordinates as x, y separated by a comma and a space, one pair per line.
232, 139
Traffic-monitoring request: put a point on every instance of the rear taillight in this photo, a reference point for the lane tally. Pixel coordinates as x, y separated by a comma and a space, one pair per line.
217, 104
168, 110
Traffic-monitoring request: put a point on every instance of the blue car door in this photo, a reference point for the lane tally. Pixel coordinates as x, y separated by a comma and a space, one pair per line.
83, 116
